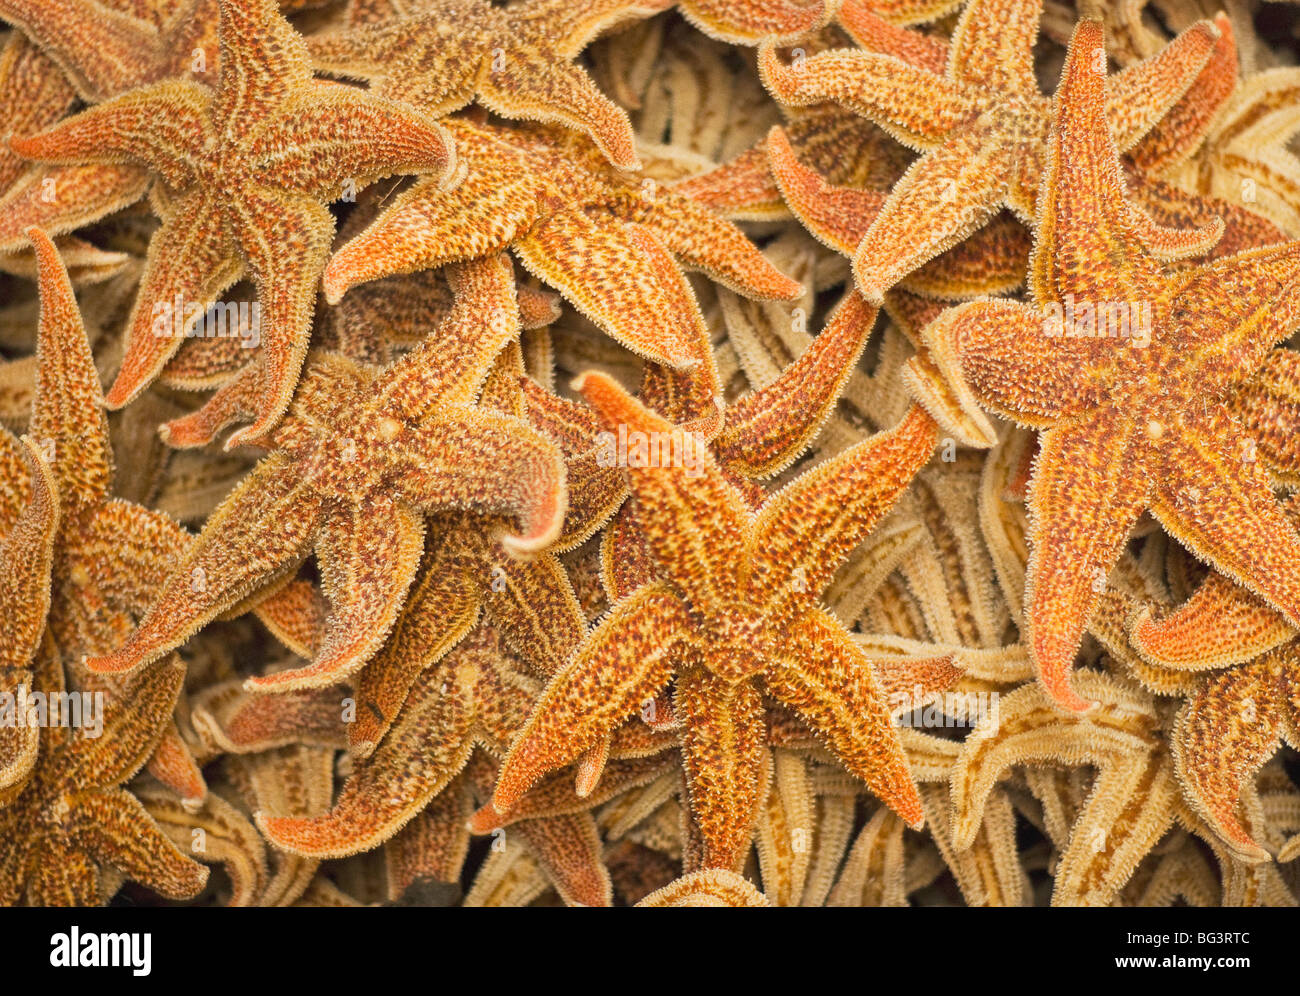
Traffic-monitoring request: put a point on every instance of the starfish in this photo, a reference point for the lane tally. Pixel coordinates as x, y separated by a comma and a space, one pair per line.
26, 555
362, 455
573, 223
245, 170
1126, 426
517, 61
740, 22
74, 822
737, 603
981, 126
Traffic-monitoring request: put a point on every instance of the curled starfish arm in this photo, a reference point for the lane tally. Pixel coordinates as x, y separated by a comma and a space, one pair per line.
329, 133
741, 190
1221, 625
1137, 98
540, 86
680, 488
367, 559
427, 747
159, 126
234, 401
233, 721
768, 429
917, 107
726, 761
113, 826
286, 240
1224, 734
703, 241
264, 527
479, 460
624, 661
191, 260
827, 680
1083, 501
993, 45
1222, 508
745, 24
805, 530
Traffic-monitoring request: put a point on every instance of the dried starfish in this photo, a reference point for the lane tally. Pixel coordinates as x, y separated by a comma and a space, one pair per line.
246, 168
1126, 425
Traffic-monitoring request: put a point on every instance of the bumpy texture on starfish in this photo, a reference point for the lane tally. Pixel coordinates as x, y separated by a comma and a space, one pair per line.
246, 167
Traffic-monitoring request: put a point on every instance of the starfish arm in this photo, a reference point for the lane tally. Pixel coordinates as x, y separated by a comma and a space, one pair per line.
433, 846
491, 464
450, 364
427, 747
536, 610
82, 195
1222, 508
263, 58
1137, 98
624, 661
917, 107
229, 840
620, 277
993, 45
114, 827
569, 849
693, 519
1219, 626
869, 30
427, 227
26, 556
190, 261
286, 239
752, 22
741, 189
1083, 500
726, 762
1225, 733
829, 682
232, 720
67, 418
329, 134
263, 528
234, 401
367, 556
805, 530
710, 887
705, 242
370, 51
1269, 408
128, 551
160, 126
838, 217
575, 26
768, 429
47, 96
538, 85
63, 876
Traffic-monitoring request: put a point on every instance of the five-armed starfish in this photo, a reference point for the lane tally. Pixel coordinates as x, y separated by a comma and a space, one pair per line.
1133, 407
246, 168
360, 458
734, 615
981, 126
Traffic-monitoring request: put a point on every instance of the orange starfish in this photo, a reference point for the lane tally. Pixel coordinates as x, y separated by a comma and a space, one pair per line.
981, 125
245, 168
517, 61
573, 223
1133, 416
361, 457
735, 613
744, 22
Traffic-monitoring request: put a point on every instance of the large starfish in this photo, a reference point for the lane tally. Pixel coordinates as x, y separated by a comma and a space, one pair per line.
981, 126
246, 168
74, 821
572, 222
736, 610
517, 61
1132, 417
359, 460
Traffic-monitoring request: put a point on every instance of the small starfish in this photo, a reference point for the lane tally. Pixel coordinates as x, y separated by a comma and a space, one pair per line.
74, 821
573, 223
981, 126
26, 555
1126, 425
359, 459
245, 168
738, 603
517, 61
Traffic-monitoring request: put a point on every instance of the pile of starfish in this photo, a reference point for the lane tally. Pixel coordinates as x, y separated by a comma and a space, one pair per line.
724, 453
